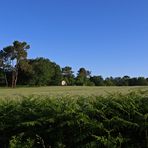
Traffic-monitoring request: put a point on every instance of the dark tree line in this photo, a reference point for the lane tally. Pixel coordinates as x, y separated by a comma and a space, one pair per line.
15, 68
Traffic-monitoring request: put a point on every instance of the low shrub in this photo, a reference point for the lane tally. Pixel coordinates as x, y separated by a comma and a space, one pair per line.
75, 122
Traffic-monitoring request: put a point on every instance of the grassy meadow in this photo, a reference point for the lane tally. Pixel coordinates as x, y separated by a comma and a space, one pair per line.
67, 90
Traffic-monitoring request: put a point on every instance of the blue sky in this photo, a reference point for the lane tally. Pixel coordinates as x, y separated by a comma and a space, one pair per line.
107, 37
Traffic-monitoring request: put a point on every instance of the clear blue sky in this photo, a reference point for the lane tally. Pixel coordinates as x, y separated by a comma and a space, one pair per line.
107, 37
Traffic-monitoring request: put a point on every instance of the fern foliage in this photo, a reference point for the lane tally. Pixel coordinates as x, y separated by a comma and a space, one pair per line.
113, 121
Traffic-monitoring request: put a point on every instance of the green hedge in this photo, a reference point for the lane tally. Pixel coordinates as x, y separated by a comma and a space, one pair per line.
75, 122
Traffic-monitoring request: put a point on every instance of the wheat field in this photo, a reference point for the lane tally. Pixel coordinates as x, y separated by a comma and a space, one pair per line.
67, 90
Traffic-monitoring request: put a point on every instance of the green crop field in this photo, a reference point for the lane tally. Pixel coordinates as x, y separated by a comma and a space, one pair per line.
68, 90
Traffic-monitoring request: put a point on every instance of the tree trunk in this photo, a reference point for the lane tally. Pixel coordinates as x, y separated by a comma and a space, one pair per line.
16, 76
5, 77
13, 78
6, 81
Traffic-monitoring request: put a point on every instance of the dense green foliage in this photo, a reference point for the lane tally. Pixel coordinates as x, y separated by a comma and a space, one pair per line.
40, 72
111, 121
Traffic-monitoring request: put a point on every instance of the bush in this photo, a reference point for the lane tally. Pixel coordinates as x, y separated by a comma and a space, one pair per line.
110, 121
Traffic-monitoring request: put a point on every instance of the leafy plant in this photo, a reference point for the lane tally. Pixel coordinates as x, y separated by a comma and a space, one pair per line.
111, 121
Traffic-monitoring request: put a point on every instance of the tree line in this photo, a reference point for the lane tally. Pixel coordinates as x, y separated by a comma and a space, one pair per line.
15, 68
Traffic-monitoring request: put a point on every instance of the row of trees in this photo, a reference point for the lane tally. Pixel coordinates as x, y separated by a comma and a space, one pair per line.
15, 68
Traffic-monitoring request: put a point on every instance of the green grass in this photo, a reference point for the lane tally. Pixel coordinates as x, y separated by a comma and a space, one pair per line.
68, 90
